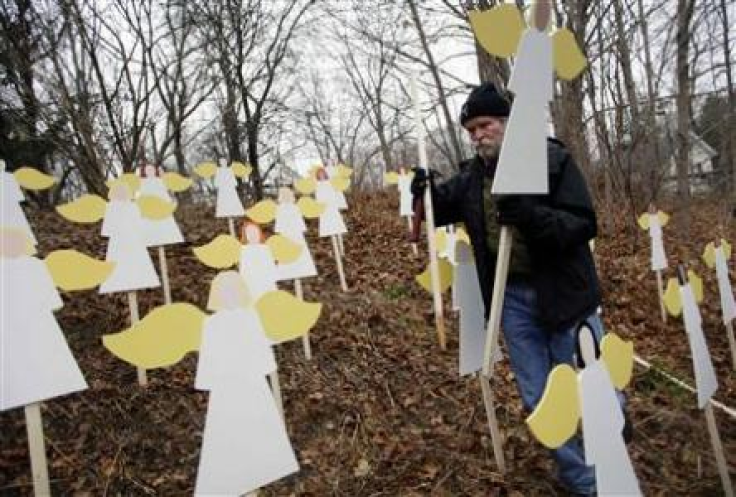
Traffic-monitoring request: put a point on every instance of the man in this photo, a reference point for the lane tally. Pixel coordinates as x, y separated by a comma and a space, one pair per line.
552, 285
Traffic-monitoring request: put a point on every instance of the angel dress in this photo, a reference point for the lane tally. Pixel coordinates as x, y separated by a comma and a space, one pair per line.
405, 197
705, 376
524, 147
258, 269
472, 321
333, 172
330, 222
245, 444
12, 213
602, 424
658, 258
159, 232
728, 305
35, 361
123, 225
290, 223
228, 201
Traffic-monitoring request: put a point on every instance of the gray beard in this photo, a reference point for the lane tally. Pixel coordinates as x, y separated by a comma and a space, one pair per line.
488, 152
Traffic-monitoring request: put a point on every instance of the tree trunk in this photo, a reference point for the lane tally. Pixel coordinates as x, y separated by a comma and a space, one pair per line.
684, 18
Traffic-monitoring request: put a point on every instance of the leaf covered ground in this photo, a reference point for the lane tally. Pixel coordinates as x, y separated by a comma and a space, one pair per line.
380, 409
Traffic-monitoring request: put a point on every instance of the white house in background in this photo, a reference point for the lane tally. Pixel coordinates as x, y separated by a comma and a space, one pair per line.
703, 175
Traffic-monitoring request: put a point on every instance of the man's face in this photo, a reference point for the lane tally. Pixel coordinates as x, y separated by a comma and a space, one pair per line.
486, 134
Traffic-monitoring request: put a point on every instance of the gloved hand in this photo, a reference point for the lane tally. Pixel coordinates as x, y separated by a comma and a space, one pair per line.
419, 182
515, 210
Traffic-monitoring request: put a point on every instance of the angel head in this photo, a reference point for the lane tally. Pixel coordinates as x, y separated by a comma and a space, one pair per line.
15, 243
540, 15
149, 170
251, 233
286, 196
119, 191
228, 292
321, 174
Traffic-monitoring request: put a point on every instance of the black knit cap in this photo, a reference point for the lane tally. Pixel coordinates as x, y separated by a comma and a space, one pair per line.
484, 100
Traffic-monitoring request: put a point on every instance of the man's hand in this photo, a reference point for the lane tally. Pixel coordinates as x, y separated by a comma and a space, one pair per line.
515, 210
419, 182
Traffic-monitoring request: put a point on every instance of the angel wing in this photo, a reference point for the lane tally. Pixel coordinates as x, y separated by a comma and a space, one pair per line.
305, 186
310, 208
206, 170
132, 180
32, 179
72, 270
240, 169
176, 182
664, 218
643, 221
499, 29
285, 317
618, 356
568, 58
696, 283
153, 207
344, 171
672, 299
86, 209
726, 249
263, 212
391, 178
461, 234
440, 240
709, 255
340, 183
160, 339
284, 250
445, 268
222, 252
556, 417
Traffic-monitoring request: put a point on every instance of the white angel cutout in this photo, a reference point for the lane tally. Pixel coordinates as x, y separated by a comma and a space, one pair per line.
11, 196
228, 201
334, 172
402, 179
717, 255
682, 296
123, 226
245, 444
653, 221
160, 231
470, 304
36, 362
256, 257
591, 395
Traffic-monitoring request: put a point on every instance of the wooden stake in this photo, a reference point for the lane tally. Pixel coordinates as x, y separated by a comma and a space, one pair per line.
660, 292
37, 450
490, 405
231, 226
134, 318
164, 273
414, 247
341, 244
715, 441
732, 343
305, 338
338, 259
429, 212
499, 288
276, 388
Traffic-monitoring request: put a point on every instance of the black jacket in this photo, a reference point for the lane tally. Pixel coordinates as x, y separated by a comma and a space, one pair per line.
562, 223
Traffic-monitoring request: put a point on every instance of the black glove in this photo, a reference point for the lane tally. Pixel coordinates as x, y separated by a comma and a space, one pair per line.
515, 210
419, 182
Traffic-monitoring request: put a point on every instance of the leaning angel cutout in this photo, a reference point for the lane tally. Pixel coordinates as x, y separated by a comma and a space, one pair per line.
123, 225
245, 444
717, 255
501, 31
256, 256
591, 395
11, 195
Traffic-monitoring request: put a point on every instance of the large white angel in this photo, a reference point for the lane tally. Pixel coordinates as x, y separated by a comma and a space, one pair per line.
36, 363
522, 164
11, 195
591, 395
255, 256
245, 444
157, 183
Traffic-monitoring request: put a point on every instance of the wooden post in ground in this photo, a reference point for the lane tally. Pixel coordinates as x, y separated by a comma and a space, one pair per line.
164, 273
134, 318
37, 450
305, 338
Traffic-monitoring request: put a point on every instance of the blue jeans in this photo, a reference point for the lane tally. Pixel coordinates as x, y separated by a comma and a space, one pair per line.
533, 352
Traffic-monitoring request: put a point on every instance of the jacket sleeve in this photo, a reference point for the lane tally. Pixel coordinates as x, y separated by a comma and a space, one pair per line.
568, 219
446, 201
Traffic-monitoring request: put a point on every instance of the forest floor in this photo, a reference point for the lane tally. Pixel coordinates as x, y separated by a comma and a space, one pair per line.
380, 409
